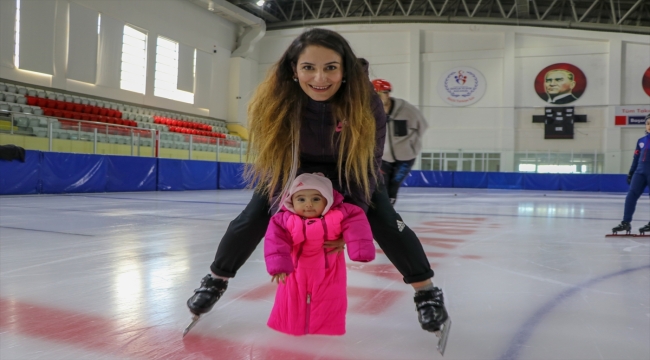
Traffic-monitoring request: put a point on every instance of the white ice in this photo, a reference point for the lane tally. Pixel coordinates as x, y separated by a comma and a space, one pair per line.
526, 275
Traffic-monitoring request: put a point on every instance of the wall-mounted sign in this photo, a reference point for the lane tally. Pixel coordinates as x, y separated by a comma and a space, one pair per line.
560, 83
645, 82
461, 86
630, 115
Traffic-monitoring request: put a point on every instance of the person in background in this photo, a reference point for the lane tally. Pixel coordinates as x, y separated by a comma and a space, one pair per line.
638, 178
404, 129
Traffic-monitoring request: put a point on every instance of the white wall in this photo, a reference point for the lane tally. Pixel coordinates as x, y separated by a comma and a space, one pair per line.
179, 20
411, 56
510, 58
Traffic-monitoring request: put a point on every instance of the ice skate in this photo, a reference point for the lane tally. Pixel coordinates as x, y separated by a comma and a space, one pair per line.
644, 229
623, 226
204, 298
433, 316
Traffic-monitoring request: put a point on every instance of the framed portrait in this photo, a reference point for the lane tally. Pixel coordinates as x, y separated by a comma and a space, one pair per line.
645, 82
560, 84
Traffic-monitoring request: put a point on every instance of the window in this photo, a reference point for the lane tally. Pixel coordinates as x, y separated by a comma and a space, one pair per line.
166, 78
134, 60
556, 169
527, 168
460, 161
17, 36
559, 163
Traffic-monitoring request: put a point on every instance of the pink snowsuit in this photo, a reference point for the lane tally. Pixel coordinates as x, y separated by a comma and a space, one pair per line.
314, 300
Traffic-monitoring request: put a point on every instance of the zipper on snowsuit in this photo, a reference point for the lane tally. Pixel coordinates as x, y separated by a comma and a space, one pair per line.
307, 313
302, 244
325, 252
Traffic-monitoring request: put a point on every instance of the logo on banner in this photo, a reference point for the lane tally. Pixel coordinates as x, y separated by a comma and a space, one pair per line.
636, 120
461, 86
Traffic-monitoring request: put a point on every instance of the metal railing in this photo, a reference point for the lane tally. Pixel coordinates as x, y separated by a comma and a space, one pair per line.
138, 138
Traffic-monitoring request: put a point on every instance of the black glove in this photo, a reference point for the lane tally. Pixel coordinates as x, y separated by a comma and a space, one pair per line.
629, 178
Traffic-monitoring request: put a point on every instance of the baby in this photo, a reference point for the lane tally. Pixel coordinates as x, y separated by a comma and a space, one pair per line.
311, 296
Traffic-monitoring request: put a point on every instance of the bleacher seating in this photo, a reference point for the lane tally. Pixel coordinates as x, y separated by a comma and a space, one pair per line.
77, 118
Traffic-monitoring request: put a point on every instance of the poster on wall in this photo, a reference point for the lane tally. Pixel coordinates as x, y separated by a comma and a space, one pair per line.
645, 82
630, 115
560, 83
461, 86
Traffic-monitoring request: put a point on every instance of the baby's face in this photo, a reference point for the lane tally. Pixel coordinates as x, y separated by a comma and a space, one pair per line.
308, 203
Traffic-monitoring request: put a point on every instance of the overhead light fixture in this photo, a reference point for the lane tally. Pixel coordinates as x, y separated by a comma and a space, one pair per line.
211, 5
260, 3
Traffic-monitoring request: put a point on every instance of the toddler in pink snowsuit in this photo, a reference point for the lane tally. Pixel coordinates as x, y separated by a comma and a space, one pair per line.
311, 296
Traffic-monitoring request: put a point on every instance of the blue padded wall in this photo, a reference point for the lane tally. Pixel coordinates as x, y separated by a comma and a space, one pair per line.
199, 175
579, 182
466, 179
18, 177
73, 173
418, 178
614, 183
505, 180
541, 182
170, 175
230, 176
53, 173
128, 173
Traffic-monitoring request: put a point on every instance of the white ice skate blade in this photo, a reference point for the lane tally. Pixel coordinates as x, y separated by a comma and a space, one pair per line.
195, 319
443, 335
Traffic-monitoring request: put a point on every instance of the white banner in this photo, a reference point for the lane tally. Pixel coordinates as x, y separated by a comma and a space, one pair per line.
631, 115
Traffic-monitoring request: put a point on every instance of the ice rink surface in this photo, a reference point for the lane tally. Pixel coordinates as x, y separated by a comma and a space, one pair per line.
526, 275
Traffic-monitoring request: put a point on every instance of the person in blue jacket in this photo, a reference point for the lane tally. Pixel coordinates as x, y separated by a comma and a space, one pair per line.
638, 178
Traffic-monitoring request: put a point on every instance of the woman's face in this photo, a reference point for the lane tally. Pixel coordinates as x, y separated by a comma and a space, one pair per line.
320, 72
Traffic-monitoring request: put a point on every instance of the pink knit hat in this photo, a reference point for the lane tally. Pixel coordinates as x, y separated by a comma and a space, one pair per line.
315, 181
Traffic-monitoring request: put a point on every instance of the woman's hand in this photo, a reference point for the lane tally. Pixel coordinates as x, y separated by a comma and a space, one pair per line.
279, 277
336, 246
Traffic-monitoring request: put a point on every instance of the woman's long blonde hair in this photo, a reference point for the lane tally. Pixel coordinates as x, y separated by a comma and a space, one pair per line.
276, 109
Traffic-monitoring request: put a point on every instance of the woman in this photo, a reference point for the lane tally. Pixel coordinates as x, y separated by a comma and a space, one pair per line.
313, 113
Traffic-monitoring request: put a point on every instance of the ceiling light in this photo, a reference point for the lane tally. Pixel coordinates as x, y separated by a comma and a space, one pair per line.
260, 3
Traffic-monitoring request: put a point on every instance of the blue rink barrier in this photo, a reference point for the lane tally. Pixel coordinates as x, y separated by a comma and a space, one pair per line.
504, 180
21, 177
55, 173
419, 178
542, 182
178, 175
126, 173
73, 173
231, 176
467, 179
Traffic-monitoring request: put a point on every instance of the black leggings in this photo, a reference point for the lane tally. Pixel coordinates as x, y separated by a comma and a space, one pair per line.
403, 248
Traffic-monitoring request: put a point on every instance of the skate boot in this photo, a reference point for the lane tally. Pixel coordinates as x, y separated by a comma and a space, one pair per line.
623, 226
207, 295
433, 315
644, 229
431, 310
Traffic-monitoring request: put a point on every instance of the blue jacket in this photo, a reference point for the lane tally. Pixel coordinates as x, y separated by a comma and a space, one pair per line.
641, 158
